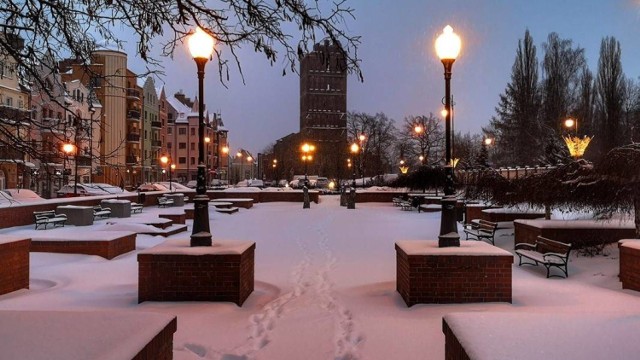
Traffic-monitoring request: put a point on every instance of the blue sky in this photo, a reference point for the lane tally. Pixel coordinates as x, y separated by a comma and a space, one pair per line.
402, 73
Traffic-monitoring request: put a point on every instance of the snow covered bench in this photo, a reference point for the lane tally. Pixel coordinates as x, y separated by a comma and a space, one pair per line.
164, 202
136, 208
44, 218
100, 212
547, 252
482, 230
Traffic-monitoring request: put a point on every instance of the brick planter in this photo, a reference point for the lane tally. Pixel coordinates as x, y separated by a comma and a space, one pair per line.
630, 263
579, 233
474, 211
14, 263
107, 244
173, 271
177, 217
535, 335
473, 272
86, 335
498, 215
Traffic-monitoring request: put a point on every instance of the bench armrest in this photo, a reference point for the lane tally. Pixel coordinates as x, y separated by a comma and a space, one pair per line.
526, 246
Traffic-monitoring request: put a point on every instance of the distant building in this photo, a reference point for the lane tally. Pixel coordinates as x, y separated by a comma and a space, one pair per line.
323, 118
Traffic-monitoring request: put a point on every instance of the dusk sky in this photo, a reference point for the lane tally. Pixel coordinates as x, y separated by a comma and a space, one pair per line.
402, 74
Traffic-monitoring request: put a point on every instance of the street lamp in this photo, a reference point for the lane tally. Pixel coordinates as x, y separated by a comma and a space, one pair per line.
249, 160
274, 165
69, 148
448, 47
207, 141
307, 149
201, 47
355, 149
225, 152
239, 154
164, 159
569, 123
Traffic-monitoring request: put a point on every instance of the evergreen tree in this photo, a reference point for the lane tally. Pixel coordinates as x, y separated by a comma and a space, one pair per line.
516, 124
609, 96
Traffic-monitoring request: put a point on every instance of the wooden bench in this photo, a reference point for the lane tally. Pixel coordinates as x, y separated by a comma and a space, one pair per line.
136, 208
406, 205
100, 212
44, 218
547, 252
482, 230
164, 202
396, 201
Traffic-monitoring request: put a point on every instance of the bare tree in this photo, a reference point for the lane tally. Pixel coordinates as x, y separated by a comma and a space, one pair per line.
425, 137
379, 136
34, 30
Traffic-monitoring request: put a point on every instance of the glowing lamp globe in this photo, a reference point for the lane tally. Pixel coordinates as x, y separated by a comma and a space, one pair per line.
448, 44
201, 44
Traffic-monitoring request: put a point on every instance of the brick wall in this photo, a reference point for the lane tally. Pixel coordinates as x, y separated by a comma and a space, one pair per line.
629, 267
107, 249
452, 278
161, 346
382, 196
14, 265
453, 350
177, 218
176, 277
579, 238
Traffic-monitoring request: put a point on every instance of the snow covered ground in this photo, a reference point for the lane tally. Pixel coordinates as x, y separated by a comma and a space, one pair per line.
324, 287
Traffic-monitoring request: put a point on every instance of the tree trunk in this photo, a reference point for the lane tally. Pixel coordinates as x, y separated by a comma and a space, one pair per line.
636, 209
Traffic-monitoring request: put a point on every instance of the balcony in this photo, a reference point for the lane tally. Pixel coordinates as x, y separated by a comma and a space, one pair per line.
7, 153
133, 137
156, 143
132, 159
133, 93
133, 115
156, 124
84, 161
154, 162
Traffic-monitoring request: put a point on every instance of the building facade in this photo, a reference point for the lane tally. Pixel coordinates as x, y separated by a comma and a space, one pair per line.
323, 116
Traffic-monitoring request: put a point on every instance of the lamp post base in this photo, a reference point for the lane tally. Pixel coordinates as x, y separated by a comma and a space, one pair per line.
306, 203
448, 224
201, 235
351, 202
449, 240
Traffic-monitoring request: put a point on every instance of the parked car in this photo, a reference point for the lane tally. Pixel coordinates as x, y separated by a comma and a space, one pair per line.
24, 195
192, 184
174, 186
88, 190
256, 183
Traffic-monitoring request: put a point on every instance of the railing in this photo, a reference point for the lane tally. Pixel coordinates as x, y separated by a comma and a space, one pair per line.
156, 124
133, 93
133, 137
84, 161
156, 143
133, 114
131, 159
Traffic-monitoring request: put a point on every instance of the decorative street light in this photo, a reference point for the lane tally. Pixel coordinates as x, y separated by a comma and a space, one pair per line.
201, 47
249, 160
164, 159
577, 146
307, 149
225, 152
448, 47
69, 148
207, 141
355, 149
403, 167
275, 172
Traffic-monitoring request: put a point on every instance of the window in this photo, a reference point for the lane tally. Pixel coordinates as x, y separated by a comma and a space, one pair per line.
193, 146
182, 160
193, 161
9, 101
182, 131
193, 131
182, 145
169, 145
169, 131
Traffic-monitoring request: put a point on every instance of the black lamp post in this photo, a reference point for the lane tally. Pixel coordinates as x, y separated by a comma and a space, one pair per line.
448, 48
201, 47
